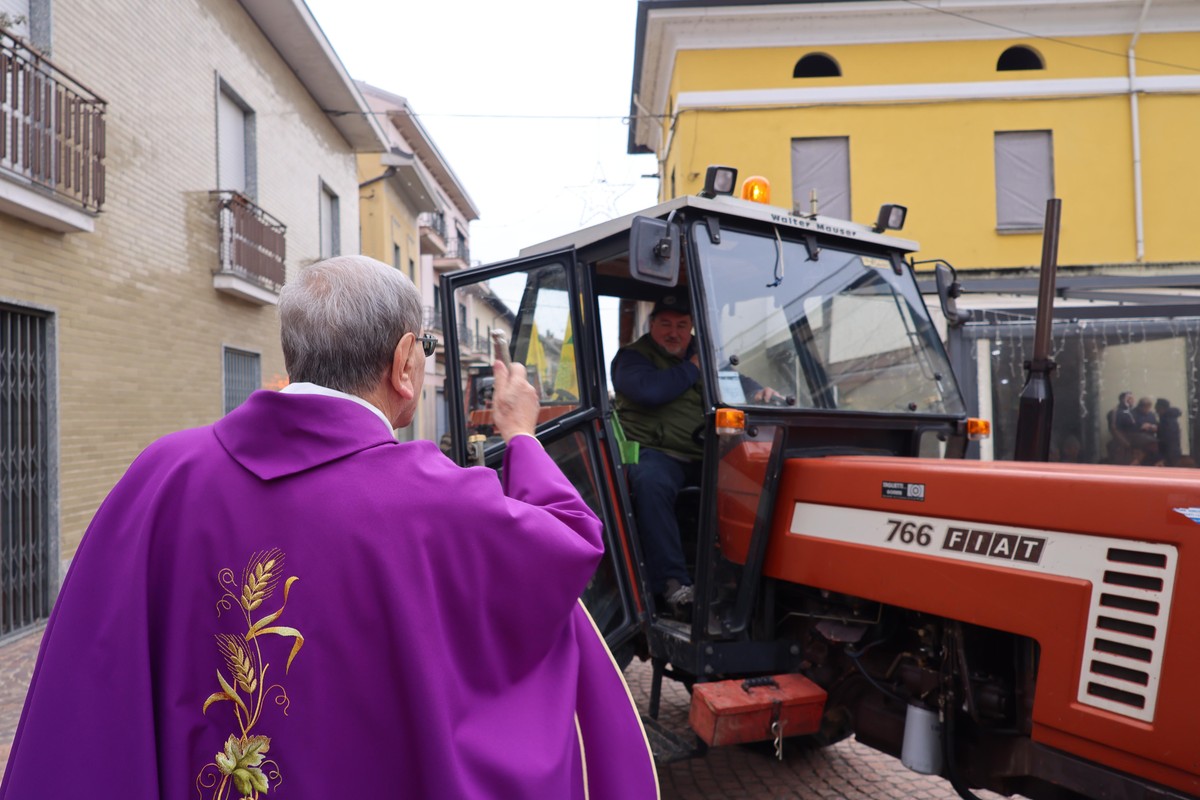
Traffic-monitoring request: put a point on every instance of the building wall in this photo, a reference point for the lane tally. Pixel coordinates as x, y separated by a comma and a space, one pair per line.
938, 157
375, 218
387, 224
1170, 165
140, 328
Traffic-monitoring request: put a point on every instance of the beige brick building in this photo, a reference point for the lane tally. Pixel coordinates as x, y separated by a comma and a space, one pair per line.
142, 301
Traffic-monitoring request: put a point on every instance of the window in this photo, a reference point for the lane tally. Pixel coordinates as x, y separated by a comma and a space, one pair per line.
235, 143
532, 309
442, 425
1019, 57
461, 247
243, 375
1024, 179
16, 14
817, 65
31, 20
331, 240
822, 165
844, 332
396, 256
1098, 359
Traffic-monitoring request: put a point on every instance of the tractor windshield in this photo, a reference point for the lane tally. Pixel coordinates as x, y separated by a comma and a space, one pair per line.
827, 328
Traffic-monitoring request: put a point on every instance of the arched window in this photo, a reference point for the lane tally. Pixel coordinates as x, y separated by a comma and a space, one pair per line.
1019, 57
817, 65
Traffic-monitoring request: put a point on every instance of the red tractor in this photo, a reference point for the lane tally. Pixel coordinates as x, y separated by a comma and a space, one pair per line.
1015, 626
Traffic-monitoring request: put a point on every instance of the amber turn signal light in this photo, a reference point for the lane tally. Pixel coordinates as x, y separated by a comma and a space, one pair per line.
730, 421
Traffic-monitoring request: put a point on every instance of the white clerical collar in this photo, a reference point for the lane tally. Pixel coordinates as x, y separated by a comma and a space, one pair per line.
313, 388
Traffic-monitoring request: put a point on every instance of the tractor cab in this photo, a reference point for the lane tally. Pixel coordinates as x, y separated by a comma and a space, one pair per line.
824, 312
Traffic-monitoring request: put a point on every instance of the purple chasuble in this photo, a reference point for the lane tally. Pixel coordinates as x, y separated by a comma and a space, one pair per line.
291, 604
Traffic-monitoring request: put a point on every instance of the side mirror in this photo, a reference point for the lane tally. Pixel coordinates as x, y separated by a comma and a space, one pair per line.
654, 251
949, 289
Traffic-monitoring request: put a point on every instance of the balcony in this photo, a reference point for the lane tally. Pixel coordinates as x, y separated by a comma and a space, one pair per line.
431, 318
473, 350
252, 249
51, 142
456, 256
433, 232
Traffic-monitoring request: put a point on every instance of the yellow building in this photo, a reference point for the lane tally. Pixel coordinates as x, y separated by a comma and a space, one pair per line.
416, 216
973, 116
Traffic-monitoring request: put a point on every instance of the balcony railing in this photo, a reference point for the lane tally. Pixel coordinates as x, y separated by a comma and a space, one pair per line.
432, 318
435, 221
458, 249
456, 256
470, 343
253, 244
51, 126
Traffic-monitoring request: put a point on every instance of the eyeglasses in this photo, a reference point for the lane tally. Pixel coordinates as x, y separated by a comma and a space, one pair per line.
428, 342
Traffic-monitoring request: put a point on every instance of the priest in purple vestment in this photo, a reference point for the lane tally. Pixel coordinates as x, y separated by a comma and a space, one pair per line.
292, 604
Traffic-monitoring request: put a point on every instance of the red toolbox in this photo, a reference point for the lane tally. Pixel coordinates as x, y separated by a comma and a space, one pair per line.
737, 711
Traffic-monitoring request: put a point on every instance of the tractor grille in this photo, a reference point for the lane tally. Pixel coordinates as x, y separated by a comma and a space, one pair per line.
1126, 630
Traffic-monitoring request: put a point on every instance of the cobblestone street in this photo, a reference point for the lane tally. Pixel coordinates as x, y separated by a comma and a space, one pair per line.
847, 771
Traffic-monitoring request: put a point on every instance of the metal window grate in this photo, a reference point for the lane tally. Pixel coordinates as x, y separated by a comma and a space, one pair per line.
25, 469
243, 375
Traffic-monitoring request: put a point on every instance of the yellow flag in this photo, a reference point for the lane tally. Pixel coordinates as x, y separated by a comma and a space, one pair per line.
565, 379
535, 360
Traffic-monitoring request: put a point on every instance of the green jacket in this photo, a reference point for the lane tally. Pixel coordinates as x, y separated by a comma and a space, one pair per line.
667, 427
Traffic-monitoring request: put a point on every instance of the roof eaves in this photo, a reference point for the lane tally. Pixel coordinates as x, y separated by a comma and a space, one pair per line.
639, 45
294, 33
401, 115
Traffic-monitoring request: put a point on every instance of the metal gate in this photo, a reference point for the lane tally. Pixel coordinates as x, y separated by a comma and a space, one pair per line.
25, 468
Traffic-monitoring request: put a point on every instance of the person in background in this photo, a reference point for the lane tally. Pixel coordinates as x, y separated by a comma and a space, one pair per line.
1170, 448
1120, 424
1070, 451
1144, 416
292, 602
1136, 429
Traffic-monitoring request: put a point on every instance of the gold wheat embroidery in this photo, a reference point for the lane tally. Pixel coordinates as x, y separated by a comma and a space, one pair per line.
241, 769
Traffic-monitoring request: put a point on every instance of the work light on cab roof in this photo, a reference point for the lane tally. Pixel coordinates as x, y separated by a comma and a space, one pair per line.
720, 180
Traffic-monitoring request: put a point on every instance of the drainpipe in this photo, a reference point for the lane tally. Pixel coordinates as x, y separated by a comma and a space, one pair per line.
392, 159
1135, 121
387, 173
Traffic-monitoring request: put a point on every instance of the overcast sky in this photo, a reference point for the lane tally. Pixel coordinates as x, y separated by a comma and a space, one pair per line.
526, 101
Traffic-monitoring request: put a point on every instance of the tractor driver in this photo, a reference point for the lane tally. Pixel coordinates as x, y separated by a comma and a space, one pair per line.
658, 398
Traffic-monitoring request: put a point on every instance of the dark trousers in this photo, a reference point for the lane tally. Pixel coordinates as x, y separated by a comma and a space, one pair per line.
656, 481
